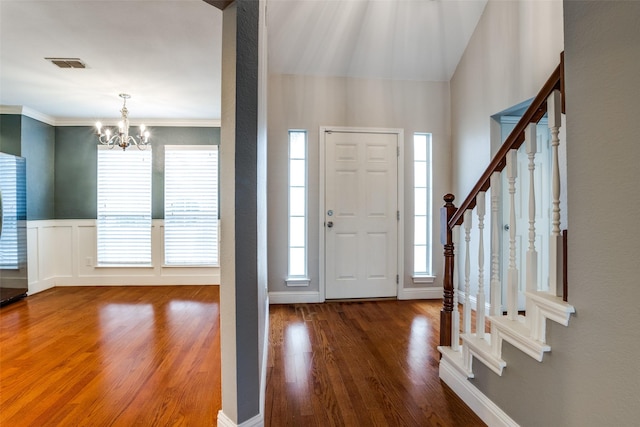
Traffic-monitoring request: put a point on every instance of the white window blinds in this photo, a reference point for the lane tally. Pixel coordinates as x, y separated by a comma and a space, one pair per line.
191, 205
9, 210
124, 207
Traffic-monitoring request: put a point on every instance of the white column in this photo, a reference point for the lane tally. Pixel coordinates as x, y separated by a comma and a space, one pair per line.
480, 298
467, 273
554, 111
496, 288
455, 320
512, 272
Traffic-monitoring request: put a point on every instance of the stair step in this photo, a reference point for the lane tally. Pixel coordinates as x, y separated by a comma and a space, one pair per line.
517, 333
480, 347
551, 306
457, 360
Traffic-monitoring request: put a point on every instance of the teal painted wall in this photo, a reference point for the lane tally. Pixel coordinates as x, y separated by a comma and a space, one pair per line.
76, 166
62, 164
10, 134
76, 173
38, 145
162, 136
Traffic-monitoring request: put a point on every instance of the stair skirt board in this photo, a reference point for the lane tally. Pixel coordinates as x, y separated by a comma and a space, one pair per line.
479, 403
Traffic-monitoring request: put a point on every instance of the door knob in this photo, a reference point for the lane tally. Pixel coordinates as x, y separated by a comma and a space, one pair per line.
506, 227
330, 224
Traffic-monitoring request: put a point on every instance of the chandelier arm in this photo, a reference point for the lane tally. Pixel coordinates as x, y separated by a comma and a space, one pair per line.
121, 137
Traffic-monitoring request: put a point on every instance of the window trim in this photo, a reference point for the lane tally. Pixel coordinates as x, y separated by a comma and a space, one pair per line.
427, 275
120, 264
193, 147
298, 279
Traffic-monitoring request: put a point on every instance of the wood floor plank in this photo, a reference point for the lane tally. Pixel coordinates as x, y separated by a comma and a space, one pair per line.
372, 363
111, 356
150, 356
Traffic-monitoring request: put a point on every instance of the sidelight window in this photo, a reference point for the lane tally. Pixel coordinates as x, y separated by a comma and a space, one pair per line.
297, 208
422, 204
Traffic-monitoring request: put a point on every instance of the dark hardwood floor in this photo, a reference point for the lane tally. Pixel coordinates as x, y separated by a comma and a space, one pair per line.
370, 363
111, 356
150, 356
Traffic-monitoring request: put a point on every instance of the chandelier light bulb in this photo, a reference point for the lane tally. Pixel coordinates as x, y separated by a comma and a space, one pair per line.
122, 138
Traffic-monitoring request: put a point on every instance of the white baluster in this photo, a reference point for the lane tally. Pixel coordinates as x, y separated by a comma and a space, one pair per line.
496, 288
455, 321
554, 111
480, 210
467, 273
530, 138
512, 272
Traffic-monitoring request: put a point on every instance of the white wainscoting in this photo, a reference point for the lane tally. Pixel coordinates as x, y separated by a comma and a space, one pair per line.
63, 253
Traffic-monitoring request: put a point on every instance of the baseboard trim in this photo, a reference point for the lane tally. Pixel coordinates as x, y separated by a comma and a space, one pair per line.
41, 285
421, 293
479, 403
224, 421
291, 297
265, 358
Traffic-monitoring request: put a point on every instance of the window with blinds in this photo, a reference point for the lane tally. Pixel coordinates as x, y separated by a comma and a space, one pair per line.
124, 207
191, 205
9, 210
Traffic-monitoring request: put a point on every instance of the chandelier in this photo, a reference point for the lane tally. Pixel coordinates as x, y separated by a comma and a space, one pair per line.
122, 138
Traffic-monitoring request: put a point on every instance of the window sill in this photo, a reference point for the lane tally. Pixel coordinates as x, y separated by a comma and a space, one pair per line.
190, 266
423, 279
123, 266
297, 281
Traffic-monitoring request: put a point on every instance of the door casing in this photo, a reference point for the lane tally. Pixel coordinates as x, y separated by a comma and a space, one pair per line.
400, 202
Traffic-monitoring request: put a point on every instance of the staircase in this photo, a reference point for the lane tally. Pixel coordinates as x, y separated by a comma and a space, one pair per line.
521, 319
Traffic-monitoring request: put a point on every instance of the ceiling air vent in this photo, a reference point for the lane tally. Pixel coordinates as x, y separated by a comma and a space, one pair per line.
67, 62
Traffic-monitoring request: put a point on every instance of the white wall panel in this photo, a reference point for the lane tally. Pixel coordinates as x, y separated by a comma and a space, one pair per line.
63, 253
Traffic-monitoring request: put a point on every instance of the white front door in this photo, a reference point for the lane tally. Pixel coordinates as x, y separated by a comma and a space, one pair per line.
361, 214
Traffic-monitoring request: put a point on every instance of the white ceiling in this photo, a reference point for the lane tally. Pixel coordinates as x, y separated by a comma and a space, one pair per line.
167, 54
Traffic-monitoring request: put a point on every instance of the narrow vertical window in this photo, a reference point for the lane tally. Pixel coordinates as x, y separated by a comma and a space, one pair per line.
124, 207
297, 207
191, 205
422, 204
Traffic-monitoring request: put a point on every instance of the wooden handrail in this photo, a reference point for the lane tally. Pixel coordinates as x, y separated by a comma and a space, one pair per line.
534, 113
452, 216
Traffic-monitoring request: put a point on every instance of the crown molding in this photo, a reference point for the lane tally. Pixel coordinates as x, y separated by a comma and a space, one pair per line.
203, 123
52, 121
26, 111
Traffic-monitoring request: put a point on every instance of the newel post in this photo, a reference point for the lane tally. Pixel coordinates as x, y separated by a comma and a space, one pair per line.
446, 237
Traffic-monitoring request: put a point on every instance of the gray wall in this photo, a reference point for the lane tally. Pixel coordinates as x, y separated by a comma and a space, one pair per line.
591, 376
10, 134
308, 102
33, 140
38, 145
76, 172
243, 297
76, 166
514, 48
